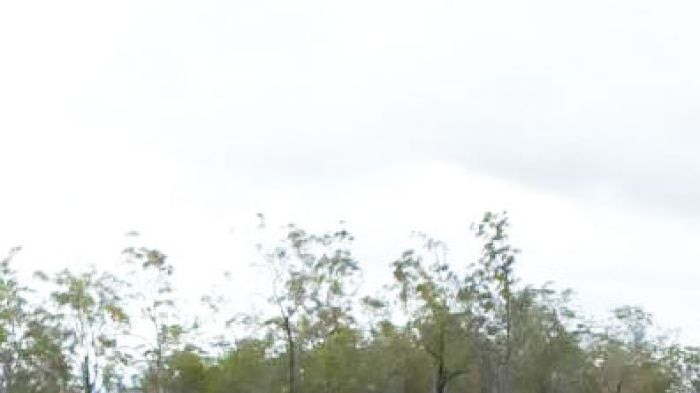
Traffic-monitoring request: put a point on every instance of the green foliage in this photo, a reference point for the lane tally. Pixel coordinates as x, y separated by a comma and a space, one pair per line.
313, 280
89, 307
152, 296
442, 327
441, 321
185, 373
31, 351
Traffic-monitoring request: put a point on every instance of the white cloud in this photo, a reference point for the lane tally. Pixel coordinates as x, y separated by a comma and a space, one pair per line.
179, 118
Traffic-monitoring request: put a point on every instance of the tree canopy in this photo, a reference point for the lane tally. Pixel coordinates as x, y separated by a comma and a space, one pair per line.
439, 326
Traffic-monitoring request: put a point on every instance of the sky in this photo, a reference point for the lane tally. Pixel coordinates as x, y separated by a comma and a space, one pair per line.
183, 119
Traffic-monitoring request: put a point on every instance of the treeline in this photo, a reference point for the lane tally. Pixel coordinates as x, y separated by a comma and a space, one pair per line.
436, 328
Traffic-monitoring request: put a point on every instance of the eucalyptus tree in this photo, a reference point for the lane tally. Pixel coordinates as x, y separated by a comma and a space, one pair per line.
13, 316
628, 358
152, 294
90, 308
313, 280
31, 355
492, 280
546, 339
432, 296
12, 304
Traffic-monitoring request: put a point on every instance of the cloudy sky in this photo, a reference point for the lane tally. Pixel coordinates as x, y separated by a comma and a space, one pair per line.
183, 119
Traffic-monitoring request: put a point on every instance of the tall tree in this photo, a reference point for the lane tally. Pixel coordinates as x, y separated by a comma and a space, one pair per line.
548, 356
493, 279
311, 279
431, 295
153, 295
31, 355
91, 309
627, 358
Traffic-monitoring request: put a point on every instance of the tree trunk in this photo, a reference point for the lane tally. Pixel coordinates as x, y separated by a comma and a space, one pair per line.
441, 377
87, 383
6, 385
440, 380
504, 369
159, 362
292, 355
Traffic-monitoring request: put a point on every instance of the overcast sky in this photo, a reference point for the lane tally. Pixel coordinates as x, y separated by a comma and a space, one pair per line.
183, 119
